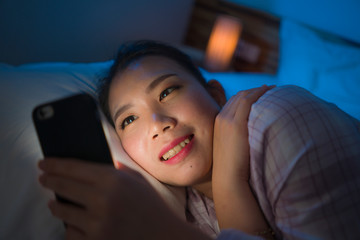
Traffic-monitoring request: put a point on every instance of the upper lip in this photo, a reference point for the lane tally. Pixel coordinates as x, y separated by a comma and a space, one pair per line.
172, 144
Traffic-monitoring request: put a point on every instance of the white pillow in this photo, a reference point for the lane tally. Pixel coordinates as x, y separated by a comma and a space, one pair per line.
23, 202
329, 69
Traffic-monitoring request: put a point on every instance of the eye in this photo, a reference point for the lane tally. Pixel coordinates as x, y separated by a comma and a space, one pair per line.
167, 91
128, 121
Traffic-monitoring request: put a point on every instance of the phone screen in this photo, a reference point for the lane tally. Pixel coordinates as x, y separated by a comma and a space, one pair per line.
72, 127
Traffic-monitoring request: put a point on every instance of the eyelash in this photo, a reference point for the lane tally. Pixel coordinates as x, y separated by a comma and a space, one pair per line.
128, 120
167, 91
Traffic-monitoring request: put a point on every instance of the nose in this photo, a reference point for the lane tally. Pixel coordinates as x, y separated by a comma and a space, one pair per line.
161, 124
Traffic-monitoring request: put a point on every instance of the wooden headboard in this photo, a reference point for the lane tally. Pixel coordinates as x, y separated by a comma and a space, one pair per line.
259, 28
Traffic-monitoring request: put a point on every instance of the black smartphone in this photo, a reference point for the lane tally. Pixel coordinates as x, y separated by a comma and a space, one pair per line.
72, 127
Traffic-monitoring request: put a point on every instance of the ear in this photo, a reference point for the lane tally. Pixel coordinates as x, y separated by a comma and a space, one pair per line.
217, 91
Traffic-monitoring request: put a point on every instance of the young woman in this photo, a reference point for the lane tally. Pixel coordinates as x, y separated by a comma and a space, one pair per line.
181, 130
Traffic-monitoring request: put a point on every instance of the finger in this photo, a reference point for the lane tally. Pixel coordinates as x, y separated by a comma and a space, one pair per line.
72, 233
245, 100
256, 93
253, 94
238, 100
74, 168
70, 189
261, 88
253, 91
228, 109
74, 217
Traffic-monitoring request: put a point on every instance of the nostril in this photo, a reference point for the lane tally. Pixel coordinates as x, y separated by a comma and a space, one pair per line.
155, 136
166, 128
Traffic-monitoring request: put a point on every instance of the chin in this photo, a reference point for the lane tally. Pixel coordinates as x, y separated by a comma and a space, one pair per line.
194, 180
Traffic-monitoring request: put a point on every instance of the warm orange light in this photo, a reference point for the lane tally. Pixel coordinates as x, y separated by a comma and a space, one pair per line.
222, 43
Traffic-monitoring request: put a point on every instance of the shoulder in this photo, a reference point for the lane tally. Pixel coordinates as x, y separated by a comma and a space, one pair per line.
290, 104
290, 116
285, 100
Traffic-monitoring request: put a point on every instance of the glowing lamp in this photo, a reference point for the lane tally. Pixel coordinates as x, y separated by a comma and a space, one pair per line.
222, 43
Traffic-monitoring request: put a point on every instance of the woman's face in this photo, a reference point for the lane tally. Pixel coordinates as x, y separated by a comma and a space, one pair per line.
164, 118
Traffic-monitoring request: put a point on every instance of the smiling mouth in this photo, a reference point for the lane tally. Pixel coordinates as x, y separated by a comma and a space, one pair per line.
175, 150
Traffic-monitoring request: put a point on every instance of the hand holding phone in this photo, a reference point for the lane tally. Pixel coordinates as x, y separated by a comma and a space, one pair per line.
72, 128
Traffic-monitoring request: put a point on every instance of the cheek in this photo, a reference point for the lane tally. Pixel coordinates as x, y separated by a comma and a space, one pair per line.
134, 147
201, 115
204, 110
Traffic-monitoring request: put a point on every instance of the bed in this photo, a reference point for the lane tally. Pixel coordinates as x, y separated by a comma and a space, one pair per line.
329, 69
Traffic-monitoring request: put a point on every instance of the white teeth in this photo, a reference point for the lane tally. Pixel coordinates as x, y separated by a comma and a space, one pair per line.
166, 156
177, 148
172, 152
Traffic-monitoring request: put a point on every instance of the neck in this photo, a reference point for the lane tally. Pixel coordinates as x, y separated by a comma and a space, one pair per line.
205, 188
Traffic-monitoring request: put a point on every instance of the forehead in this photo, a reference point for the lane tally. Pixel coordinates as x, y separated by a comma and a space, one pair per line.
150, 67
141, 72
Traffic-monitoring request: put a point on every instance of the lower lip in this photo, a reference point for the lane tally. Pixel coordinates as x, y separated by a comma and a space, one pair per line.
181, 155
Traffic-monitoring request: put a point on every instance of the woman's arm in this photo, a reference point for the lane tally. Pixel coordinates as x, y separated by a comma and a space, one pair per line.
235, 204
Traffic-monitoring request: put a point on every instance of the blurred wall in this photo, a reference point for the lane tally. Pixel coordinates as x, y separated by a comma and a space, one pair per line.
340, 17
85, 30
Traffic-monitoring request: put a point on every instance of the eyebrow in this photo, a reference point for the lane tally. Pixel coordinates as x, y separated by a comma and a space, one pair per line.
157, 81
120, 111
149, 88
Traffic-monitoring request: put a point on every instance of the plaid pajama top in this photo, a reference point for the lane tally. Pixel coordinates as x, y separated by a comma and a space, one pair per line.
304, 165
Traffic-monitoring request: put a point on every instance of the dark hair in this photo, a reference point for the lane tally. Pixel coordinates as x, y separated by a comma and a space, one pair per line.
134, 50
